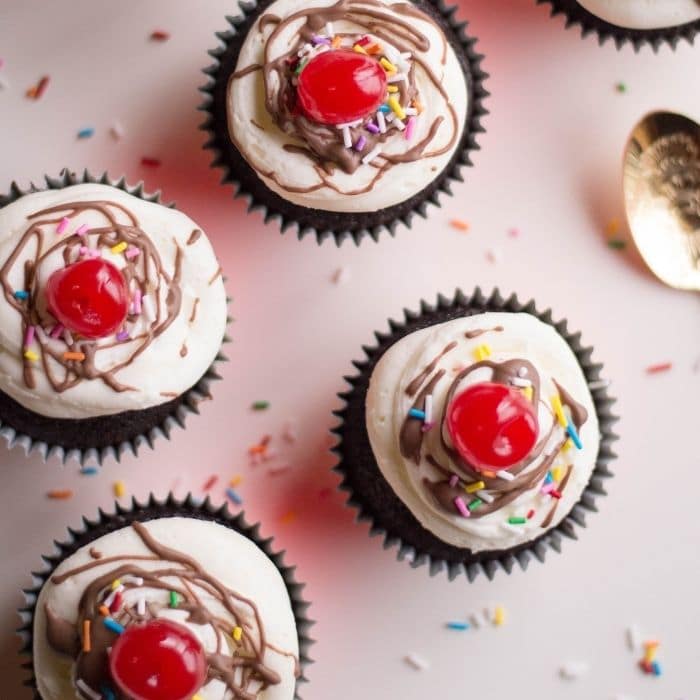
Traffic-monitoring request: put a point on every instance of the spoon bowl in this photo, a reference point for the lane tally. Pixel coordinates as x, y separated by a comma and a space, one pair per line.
661, 184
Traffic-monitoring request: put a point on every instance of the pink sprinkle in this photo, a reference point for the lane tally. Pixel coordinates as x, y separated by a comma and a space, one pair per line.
410, 128
132, 252
461, 506
57, 330
29, 336
84, 250
547, 488
454, 480
122, 336
82, 230
137, 301
514, 232
372, 128
426, 427
63, 225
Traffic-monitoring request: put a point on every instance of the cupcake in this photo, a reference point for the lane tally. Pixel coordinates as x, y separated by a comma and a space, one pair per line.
476, 434
112, 314
343, 117
640, 22
166, 601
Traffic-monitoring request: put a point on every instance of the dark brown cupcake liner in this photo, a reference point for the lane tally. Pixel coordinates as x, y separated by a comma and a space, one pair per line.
96, 439
374, 499
151, 510
320, 223
589, 23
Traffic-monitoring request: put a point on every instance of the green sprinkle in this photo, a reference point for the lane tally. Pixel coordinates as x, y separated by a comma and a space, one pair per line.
300, 68
617, 244
260, 405
621, 87
517, 521
173, 599
475, 504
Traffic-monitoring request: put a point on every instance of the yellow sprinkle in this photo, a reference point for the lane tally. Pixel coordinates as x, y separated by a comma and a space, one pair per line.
558, 410
650, 654
119, 489
391, 88
197, 697
527, 392
358, 49
396, 108
31, 355
117, 581
477, 486
389, 67
236, 481
612, 227
567, 445
556, 474
499, 616
482, 352
237, 633
119, 248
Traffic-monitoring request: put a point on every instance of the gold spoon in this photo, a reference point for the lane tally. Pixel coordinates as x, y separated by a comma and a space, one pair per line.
661, 184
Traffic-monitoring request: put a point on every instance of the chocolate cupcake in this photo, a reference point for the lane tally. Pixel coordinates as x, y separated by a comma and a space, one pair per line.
113, 311
639, 22
166, 600
475, 435
343, 117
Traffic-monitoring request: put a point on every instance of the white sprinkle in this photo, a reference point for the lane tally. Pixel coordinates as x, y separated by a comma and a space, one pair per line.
304, 50
416, 662
406, 55
428, 408
399, 124
116, 131
148, 308
347, 139
410, 111
399, 77
505, 475
391, 53
475, 620
84, 688
518, 381
390, 117
350, 125
599, 384
340, 276
372, 154
67, 337
381, 122
329, 29
485, 496
522, 371
487, 616
572, 670
110, 598
634, 638
141, 605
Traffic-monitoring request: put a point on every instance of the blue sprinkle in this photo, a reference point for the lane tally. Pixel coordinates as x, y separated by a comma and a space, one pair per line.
548, 479
113, 625
574, 436
458, 626
107, 693
416, 413
384, 108
234, 496
656, 668
89, 471
21, 294
86, 132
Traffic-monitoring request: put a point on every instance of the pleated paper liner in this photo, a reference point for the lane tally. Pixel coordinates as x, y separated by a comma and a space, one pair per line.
372, 496
151, 510
95, 439
577, 16
320, 223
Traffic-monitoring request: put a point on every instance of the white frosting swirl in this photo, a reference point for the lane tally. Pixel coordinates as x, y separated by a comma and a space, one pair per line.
644, 14
523, 337
173, 361
225, 554
261, 141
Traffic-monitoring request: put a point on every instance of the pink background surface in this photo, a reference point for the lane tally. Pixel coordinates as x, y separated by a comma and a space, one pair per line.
550, 166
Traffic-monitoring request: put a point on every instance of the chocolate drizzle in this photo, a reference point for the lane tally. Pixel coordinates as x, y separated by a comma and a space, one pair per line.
528, 474
144, 272
240, 665
323, 144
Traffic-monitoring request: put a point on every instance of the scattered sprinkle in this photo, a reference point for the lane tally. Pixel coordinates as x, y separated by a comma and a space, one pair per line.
617, 244
86, 132
360, 144
31, 355
173, 600
505, 475
29, 336
119, 488
517, 520
132, 252
459, 224
112, 625
116, 131
340, 276
122, 336
21, 294
499, 616
514, 232
82, 230
104, 611
612, 228
237, 633
150, 162
530, 513
634, 638
620, 87
77, 356
373, 153
416, 662
473, 505
461, 507
89, 471
119, 248
36, 91
159, 35
63, 225
461, 626
260, 405
288, 517
661, 367
558, 409
60, 494
573, 434
493, 255
572, 670
481, 352
289, 434
233, 496
210, 482
417, 413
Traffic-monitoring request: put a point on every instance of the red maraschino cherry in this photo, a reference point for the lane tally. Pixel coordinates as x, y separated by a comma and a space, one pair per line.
492, 426
341, 86
89, 297
159, 660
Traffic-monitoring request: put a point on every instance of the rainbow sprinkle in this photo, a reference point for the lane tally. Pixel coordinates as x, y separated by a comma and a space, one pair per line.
119, 248
461, 507
113, 625
233, 496
461, 626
